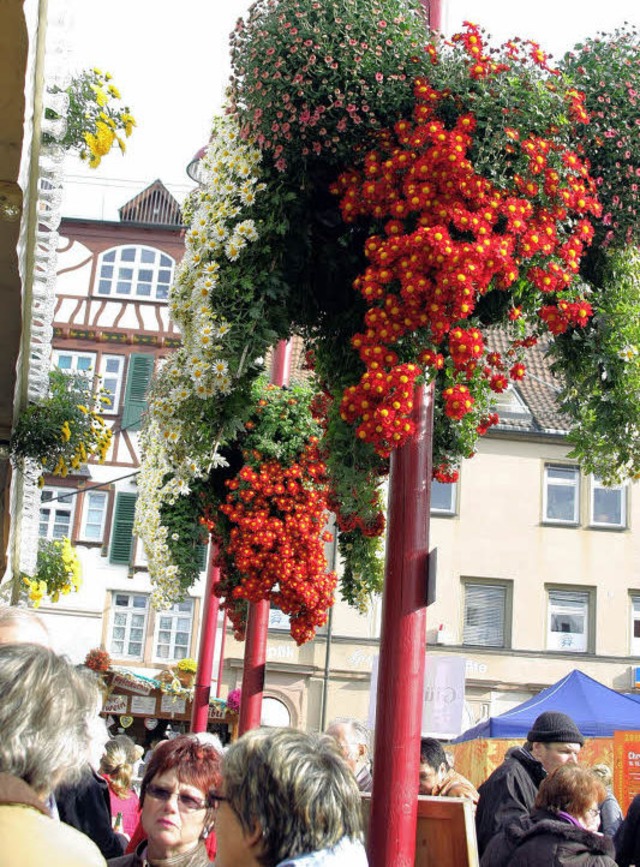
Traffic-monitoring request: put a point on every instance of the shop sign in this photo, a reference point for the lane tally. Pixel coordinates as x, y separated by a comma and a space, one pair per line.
122, 681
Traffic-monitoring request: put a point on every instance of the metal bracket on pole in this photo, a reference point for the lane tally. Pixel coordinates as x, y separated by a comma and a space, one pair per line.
432, 569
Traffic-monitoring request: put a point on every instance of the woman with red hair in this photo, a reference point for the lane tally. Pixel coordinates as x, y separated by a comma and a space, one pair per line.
176, 815
557, 830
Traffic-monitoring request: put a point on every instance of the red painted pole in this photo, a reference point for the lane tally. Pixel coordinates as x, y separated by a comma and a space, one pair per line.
255, 652
200, 709
221, 661
433, 9
392, 838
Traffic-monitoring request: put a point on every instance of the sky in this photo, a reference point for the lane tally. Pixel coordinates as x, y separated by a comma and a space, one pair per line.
170, 60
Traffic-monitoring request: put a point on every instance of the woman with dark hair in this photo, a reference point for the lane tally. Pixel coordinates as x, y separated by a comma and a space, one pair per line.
175, 804
556, 832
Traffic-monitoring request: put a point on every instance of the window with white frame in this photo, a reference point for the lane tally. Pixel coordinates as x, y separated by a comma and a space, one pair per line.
111, 378
74, 362
635, 625
94, 511
608, 505
134, 271
561, 498
485, 614
568, 625
173, 631
128, 625
443, 498
56, 513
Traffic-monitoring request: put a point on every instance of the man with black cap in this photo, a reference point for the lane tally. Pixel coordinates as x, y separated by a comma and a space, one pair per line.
510, 791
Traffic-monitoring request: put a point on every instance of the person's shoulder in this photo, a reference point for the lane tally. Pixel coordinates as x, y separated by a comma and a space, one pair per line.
43, 840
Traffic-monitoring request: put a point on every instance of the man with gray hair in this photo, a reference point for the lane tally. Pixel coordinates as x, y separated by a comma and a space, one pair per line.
22, 626
287, 800
353, 739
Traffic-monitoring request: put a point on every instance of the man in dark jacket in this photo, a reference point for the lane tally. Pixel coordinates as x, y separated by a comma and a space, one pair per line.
509, 793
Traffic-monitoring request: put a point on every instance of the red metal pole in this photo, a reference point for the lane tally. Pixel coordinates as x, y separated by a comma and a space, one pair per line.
392, 838
200, 709
255, 652
433, 8
221, 661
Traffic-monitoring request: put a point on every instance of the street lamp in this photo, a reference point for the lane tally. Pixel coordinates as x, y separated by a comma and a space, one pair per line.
194, 167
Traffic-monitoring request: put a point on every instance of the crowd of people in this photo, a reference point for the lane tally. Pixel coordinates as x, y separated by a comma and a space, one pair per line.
276, 797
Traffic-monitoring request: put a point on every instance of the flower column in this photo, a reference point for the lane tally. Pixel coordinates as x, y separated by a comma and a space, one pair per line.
255, 652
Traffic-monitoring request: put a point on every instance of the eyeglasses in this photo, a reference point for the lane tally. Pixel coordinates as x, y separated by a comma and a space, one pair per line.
214, 800
186, 803
594, 811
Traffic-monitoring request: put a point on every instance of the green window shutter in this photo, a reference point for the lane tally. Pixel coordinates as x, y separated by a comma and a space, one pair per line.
202, 557
122, 529
135, 396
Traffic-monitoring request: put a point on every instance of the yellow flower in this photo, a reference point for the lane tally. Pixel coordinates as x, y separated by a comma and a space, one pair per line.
104, 138
129, 122
113, 91
101, 97
37, 591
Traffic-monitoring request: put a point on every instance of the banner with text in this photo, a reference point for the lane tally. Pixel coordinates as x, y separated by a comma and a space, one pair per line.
443, 700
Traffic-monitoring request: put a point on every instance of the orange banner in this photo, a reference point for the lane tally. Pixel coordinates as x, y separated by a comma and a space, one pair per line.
626, 767
476, 759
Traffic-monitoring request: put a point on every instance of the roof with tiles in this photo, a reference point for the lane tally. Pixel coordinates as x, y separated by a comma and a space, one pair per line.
537, 393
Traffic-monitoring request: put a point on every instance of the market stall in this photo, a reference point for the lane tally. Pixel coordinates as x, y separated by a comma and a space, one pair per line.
148, 708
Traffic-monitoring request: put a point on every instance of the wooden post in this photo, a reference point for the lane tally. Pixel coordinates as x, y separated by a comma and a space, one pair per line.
392, 838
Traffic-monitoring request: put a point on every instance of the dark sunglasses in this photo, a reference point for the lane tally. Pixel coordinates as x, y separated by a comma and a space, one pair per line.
186, 803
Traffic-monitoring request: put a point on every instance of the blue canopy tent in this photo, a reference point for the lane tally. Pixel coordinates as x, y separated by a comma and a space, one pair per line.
597, 710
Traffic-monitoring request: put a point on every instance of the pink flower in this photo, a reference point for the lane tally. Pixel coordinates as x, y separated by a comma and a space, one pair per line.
379, 77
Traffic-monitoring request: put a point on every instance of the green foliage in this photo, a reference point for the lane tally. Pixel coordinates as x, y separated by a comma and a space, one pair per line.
607, 70
185, 536
311, 81
57, 571
63, 430
600, 370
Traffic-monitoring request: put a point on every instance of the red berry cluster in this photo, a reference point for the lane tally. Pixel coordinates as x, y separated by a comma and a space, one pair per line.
451, 235
276, 543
